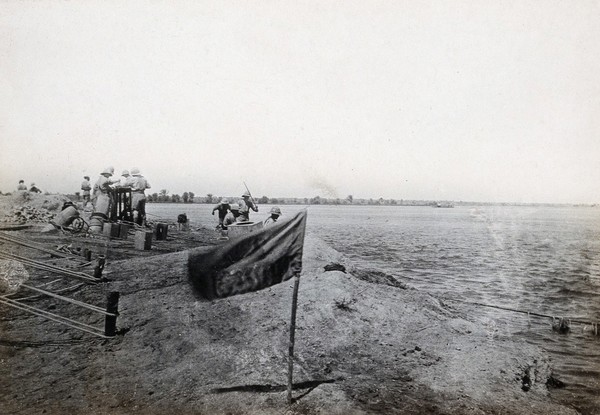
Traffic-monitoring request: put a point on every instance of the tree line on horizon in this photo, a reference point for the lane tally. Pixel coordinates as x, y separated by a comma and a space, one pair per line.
164, 197
189, 197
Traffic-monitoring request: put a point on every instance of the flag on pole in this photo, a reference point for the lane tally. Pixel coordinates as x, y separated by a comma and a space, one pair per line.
256, 261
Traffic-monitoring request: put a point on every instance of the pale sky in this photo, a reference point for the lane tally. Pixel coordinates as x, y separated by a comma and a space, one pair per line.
444, 100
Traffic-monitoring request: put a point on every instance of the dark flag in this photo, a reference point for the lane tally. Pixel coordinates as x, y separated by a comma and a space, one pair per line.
253, 262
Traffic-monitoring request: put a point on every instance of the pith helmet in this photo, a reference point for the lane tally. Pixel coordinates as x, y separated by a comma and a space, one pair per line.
108, 170
135, 171
125, 173
275, 211
224, 201
246, 194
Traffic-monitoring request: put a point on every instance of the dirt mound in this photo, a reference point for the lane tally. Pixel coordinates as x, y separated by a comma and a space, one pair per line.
360, 348
24, 207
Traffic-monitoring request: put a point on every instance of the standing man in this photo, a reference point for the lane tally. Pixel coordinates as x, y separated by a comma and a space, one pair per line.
125, 180
247, 204
102, 197
138, 185
86, 187
222, 208
275, 214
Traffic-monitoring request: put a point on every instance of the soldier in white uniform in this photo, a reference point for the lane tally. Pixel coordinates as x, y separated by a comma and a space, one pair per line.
138, 185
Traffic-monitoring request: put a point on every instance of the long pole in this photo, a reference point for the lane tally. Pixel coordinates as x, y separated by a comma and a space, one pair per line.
46, 267
292, 338
69, 300
54, 317
246, 186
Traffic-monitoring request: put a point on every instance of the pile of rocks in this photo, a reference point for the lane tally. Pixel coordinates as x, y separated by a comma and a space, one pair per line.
12, 275
26, 214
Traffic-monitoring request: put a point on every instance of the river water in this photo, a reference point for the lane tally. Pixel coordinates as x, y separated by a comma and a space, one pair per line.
544, 260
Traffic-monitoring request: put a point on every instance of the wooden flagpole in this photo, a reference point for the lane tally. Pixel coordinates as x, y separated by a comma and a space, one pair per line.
292, 338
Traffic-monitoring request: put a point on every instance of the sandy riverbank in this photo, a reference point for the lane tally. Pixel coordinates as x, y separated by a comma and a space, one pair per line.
362, 346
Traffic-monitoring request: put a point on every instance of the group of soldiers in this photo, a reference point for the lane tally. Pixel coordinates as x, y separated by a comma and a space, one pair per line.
232, 213
101, 194
101, 197
23, 187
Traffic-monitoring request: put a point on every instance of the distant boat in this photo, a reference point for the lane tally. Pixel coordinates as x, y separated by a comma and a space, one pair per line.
443, 205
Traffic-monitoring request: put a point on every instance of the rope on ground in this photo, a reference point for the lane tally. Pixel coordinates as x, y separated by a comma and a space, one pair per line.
49, 283
28, 244
529, 313
594, 325
182, 238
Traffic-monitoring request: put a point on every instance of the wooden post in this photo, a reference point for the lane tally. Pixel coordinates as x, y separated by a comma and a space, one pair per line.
113, 208
100, 261
292, 338
112, 306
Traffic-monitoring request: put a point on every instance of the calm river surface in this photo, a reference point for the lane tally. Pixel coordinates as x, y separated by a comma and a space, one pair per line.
538, 259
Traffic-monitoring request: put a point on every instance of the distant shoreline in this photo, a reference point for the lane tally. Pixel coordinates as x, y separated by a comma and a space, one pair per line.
175, 198
425, 203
